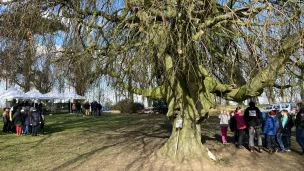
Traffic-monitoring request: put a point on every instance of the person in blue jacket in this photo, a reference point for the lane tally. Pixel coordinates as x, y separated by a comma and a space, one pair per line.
270, 128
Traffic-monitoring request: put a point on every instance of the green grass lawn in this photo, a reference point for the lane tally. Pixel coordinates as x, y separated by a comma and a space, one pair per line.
67, 137
123, 142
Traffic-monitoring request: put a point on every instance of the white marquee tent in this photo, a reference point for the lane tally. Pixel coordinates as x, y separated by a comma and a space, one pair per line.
14, 93
35, 94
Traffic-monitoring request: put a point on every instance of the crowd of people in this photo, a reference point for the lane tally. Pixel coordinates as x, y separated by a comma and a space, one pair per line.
274, 127
93, 108
23, 119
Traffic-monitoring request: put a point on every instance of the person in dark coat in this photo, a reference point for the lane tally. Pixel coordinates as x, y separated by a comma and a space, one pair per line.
42, 121
252, 117
286, 132
40, 107
11, 125
78, 107
94, 106
5, 120
34, 121
99, 107
25, 126
279, 133
18, 120
233, 128
299, 122
87, 108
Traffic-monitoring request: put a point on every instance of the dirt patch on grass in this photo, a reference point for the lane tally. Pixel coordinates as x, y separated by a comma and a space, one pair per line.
128, 142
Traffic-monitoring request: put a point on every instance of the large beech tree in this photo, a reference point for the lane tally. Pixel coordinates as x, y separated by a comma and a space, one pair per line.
185, 52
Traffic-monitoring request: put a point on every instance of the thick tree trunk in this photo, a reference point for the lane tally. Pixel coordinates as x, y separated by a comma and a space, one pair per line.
185, 143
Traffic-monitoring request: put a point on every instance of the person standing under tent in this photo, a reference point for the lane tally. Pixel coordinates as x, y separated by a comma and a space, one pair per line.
18, 121
86, 107
78, 107
74, 109
5, 119
25, 126
94, 108
40, 107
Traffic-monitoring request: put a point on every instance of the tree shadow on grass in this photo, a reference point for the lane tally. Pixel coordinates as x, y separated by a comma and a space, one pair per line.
83, 156
142, 138
105, 121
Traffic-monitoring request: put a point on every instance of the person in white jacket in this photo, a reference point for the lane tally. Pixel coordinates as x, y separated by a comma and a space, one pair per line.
224, 123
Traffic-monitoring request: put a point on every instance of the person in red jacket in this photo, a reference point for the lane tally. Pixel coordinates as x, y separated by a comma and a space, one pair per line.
241, 126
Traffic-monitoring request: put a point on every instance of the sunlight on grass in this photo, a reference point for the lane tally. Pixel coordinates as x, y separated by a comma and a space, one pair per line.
67, 136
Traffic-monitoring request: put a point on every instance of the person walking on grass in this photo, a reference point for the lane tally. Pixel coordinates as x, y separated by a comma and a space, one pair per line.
241, 126
286, 131
270, 128
224, 122
299, 122
252, 117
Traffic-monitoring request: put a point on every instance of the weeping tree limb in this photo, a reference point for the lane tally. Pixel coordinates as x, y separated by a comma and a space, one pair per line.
264, 78
268, 75
155, 93
287, 86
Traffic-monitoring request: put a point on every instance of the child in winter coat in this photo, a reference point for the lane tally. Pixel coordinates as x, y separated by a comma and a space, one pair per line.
233, 128
241, 126
270, 128
225, 117
286, 131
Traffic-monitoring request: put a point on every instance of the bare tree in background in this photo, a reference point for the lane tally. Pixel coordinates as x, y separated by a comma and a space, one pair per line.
24, 27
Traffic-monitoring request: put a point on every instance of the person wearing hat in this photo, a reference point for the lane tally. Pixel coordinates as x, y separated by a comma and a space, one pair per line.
270, 129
